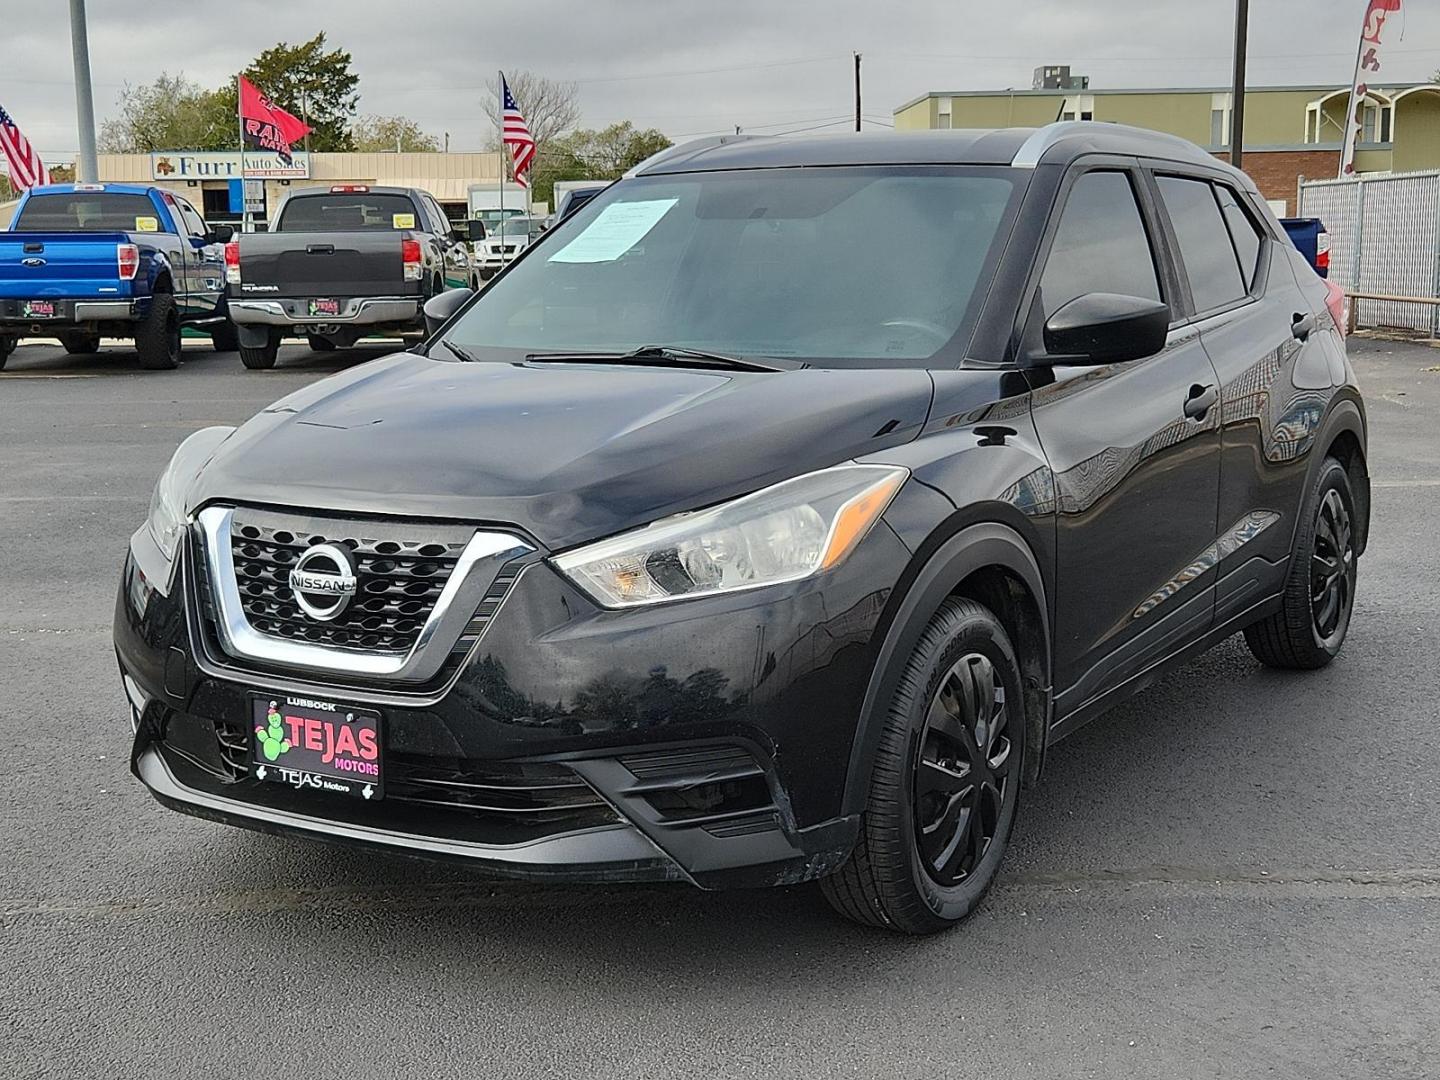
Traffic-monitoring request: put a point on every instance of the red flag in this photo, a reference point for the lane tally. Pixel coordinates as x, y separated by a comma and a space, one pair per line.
265, 125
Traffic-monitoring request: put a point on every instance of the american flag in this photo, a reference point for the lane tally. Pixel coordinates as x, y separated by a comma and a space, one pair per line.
516, 136
24, 164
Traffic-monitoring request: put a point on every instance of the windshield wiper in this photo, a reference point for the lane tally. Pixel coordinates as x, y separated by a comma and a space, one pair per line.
459, 352
649, 354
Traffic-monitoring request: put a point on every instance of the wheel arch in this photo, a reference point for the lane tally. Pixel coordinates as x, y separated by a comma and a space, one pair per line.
986, 561
1343, 437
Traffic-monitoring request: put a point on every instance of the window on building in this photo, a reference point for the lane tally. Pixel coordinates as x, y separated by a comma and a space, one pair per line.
1100, 245
1219, 119
1079, 107
1205, 245
942, 118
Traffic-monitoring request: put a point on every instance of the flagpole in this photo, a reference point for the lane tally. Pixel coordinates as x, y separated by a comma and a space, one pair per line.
240, 123
500, 117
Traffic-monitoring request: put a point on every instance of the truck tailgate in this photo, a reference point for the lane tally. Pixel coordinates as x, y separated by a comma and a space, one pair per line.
78, 265
339, 264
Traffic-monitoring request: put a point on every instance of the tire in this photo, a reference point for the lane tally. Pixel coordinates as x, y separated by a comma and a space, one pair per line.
922, 864
80, 344
224, 337
1309, 629
157, 339
7, 346
263, 358
319, 344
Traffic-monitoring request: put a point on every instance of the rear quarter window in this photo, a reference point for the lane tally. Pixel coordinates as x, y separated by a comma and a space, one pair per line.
1244, 233
85, 211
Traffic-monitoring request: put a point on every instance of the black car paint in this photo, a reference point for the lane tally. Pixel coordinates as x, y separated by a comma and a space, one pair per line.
1081, 500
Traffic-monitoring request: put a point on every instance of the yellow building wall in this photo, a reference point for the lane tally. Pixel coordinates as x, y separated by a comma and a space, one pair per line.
916, 117
1417, 132
1004, 110
1276, 117
1186, 115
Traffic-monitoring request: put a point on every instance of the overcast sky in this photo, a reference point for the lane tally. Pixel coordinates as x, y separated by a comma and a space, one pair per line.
686, 67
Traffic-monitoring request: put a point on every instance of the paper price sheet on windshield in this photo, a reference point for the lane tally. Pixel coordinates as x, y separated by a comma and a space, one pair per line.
617, 229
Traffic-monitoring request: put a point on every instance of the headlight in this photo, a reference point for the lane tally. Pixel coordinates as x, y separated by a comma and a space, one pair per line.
781, 533
167, 505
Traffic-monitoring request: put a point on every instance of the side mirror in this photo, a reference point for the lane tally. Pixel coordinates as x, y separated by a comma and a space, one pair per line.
220, 234
441, 306
1105, 328
476, 230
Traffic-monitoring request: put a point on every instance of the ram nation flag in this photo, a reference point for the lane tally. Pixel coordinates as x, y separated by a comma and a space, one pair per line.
266, 126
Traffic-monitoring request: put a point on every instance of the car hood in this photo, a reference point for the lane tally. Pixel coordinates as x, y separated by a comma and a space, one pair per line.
568, 452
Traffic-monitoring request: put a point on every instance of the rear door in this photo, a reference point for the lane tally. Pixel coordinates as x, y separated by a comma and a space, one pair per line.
1134, 446
1275, 379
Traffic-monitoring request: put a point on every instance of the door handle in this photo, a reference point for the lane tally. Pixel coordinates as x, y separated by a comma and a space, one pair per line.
1200, 401
1302, 326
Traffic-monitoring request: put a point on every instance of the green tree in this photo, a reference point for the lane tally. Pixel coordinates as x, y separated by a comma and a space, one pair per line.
376, 134
595, 155
171, 113
313, 84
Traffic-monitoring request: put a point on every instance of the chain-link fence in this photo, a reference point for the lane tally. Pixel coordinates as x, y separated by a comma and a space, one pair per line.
1384, 238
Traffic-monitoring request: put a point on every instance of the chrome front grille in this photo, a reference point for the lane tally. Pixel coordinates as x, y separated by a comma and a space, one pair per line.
399, 580
422, 591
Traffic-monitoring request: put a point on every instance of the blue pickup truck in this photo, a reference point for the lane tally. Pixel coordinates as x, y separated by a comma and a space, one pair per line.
82, 261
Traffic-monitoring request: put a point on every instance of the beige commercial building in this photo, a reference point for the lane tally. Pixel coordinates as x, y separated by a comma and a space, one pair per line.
212, 180
1290, 131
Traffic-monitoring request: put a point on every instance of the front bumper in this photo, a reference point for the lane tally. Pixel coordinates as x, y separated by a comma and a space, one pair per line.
356, 311
705, 741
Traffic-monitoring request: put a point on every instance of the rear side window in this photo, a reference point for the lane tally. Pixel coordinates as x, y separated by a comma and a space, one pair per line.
88, 211
1100, 245
1243, 232
344, 212
1205, 244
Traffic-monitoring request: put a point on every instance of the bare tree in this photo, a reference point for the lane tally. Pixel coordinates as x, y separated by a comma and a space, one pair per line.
550, 108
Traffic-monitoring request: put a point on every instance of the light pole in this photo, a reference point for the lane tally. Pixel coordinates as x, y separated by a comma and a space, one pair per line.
86, 170
1237, 91
857, 91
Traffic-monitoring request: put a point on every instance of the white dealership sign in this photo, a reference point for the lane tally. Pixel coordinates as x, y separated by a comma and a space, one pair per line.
225, 165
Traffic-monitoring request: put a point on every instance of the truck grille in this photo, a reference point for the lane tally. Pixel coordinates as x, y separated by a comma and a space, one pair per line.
398, 581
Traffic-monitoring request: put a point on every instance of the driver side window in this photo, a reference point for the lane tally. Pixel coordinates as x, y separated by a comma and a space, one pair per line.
1100, 245
193, 223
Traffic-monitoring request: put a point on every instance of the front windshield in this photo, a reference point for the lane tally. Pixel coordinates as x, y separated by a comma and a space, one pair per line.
516, 227
773, 262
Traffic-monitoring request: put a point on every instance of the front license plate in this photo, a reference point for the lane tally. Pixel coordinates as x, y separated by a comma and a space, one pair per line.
38, 309
317, 745
324, 307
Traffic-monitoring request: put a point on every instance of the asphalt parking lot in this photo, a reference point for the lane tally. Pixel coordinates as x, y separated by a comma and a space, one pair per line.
1236, 874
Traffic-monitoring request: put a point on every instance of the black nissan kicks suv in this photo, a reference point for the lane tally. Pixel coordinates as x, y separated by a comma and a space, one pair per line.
711, 543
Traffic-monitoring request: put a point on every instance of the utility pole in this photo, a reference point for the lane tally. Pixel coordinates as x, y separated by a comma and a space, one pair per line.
86, 170
305, 115
857, 91
447, 142
1237, 92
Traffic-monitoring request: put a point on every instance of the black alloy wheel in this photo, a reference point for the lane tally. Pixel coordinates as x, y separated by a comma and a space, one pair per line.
1319, 597
945, 779
963, 767
1332, 568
